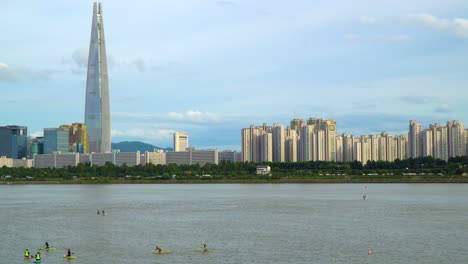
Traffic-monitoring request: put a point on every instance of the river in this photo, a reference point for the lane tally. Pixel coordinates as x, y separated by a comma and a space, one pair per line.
242, 223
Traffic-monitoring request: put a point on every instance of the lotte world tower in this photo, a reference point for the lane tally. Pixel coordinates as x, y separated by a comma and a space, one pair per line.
97, 109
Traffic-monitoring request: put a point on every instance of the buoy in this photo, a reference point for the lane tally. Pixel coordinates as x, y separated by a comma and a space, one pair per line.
369, 252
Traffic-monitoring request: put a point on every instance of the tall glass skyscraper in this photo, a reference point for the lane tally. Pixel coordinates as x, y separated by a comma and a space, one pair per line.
97, 109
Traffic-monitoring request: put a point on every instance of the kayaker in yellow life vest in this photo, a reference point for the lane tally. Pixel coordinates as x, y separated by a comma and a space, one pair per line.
158, 249
26, 253
38, 256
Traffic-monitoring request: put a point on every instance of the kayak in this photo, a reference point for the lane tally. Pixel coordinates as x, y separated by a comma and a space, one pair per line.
70, 257
205, 250
30, 257
162, 252
37, 261
48, 249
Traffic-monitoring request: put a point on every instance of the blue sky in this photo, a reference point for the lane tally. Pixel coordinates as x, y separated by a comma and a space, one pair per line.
212, 67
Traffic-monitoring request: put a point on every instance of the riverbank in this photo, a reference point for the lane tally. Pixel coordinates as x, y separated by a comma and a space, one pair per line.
283, 180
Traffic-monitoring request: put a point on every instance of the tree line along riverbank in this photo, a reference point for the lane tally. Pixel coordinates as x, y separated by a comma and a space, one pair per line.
420, 170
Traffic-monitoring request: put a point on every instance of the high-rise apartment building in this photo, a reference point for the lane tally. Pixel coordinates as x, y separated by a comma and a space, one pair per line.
14, 142
456, 139
291, 145
266, 147
466, 141
441, 141
181, 141
279, 143
97, 108
56, 140
414, 139
427, 143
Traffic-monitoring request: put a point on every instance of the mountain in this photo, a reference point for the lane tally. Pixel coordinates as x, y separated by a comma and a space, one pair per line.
133, 146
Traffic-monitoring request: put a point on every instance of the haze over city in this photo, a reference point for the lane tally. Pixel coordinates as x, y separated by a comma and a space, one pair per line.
214, 67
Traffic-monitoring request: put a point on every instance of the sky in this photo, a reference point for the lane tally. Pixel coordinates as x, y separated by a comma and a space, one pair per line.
213, 67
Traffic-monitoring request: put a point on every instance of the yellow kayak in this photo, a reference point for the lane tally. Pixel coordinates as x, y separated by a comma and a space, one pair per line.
70, 257
205, 250
162, 252
48, 249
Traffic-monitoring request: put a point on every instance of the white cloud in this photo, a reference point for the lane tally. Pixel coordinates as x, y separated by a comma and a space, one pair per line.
351, 37
80, 57
398, 39
189, 116
442, 109
15, 74
456, 26
367, 20
144, 133
37, 134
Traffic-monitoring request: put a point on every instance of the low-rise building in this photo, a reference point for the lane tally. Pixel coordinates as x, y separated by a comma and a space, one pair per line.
263, 170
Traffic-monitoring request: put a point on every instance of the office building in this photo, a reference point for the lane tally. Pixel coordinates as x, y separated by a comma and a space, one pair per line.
14, 142
181, 141
97, 108
56, 140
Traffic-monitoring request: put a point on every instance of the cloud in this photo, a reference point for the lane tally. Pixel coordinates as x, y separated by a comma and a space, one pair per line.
17, 74
189, 116
351, 37
456, 26
140, 65
80, 57
367, 20
37, 134
143, 133
398, 39
442, 109
418, 99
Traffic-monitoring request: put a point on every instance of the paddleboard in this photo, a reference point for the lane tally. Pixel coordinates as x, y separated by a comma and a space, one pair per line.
48, 249
162, 252
70, 257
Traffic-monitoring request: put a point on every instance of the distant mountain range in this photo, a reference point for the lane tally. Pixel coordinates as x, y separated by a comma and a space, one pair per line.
133, 146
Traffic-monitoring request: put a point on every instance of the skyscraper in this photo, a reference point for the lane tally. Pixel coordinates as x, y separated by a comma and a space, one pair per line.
97, 109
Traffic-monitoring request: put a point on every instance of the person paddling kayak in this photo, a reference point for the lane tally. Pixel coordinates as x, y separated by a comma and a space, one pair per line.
157, 249
46, 245
26, 253
69, 253
204, 246
38, 256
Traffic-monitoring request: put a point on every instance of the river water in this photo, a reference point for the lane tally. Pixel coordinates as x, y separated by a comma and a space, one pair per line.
243, 223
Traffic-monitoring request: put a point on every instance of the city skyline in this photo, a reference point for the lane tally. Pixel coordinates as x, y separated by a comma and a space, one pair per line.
239, 63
